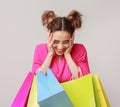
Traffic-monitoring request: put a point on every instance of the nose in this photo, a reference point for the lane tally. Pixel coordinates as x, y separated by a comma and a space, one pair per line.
60, 46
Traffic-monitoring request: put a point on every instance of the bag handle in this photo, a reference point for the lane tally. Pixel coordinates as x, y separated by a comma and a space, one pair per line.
80, 74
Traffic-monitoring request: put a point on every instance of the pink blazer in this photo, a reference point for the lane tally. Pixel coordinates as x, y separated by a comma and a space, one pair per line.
61, 70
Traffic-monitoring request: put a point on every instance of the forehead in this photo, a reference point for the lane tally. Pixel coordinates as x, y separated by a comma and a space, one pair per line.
61, 35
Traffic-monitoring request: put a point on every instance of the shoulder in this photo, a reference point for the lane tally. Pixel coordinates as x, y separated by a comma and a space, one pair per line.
78, 50
78, 47
41, 47
41, 50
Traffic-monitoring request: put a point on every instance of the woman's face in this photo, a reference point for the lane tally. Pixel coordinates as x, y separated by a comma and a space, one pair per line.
60, 41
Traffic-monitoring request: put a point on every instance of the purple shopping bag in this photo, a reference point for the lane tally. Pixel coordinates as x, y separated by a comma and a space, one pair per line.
22, 95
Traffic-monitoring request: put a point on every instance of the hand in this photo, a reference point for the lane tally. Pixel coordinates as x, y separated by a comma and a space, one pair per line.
71, 41
72, 78
50, 43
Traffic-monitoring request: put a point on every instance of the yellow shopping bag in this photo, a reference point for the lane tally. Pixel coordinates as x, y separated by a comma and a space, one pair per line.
80, 91
86, 91
32, 100
100, 95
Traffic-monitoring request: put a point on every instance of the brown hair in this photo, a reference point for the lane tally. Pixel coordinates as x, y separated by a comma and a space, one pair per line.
69, 23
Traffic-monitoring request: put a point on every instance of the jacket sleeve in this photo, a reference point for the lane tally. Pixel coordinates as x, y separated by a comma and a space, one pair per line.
81, 59
36, 59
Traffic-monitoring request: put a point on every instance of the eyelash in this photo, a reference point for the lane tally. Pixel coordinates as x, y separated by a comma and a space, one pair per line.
65, 42
56, 42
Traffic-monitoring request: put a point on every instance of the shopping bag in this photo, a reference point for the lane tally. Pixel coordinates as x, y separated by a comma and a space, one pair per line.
100, 95
80, 91
32, 99
50, 91
22, 95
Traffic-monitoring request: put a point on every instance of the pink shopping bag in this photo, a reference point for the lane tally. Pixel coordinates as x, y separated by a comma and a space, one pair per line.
22, 95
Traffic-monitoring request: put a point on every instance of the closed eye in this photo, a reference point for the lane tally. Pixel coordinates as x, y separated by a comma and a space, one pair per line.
56, 41
66, 42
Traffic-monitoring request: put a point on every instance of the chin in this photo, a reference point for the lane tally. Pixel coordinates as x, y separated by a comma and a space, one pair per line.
59, 54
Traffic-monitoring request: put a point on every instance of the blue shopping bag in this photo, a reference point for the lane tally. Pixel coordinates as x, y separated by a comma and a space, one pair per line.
50, 92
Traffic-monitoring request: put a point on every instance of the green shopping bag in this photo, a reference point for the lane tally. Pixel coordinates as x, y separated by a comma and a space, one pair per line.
32, 99
80, 91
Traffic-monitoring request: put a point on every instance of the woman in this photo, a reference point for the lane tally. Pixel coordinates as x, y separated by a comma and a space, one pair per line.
66, 59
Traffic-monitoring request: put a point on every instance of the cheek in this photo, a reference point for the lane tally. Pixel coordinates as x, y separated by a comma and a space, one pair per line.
54, 45
66, 45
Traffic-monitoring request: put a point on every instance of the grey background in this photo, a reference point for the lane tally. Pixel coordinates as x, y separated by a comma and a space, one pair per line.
21, 30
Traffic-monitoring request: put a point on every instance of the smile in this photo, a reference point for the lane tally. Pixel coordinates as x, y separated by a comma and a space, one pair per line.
59, 51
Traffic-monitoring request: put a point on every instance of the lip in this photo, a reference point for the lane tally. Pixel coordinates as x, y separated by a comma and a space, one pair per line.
60, 51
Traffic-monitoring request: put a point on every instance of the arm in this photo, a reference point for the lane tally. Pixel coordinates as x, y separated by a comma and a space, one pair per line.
46, 63
74, 68
41, 59
77, 60
72, 65
79, 55
49, 56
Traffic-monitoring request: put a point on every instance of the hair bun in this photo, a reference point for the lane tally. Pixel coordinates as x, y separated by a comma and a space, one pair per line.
75, 18
47, 17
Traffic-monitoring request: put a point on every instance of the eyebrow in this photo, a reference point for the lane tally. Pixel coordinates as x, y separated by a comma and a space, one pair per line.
56, 40
63, 41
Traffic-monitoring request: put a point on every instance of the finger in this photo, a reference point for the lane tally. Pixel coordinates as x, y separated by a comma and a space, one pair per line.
49, 37
49, 33
72, 78
72, 38
51, 40
70, 42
